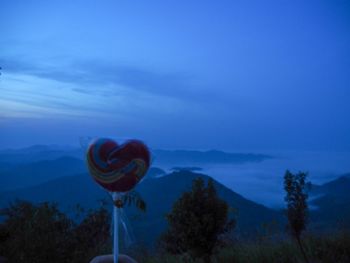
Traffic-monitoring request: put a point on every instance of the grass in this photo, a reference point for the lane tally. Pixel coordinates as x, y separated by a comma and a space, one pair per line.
333, 248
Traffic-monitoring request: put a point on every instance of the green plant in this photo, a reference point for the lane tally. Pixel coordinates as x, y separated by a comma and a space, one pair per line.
197, 222
41, 233
134, 198
296, 197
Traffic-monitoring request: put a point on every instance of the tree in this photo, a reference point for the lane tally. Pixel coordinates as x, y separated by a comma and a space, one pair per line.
35, 233
41, 233
296, 197
92, 236
197, 221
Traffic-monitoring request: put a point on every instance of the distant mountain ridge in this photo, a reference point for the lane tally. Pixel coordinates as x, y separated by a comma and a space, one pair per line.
161, 190
37, 153
159, 194
339, 186
332, 202
186, 157
39, 163
59, 174
29, 174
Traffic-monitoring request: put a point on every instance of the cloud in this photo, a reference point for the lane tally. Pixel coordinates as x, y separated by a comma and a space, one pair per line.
90, 75
28, 89
24, 95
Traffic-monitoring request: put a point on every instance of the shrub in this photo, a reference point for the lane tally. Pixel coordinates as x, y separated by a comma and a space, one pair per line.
197, 221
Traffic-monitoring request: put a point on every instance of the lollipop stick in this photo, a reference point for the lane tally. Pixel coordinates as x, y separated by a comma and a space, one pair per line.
115, 237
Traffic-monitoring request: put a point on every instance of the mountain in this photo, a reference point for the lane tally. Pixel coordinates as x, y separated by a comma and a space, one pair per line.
337, 187
29, 174
159, 193
184, 157
39, 163
37, 153
332, 203
154, 172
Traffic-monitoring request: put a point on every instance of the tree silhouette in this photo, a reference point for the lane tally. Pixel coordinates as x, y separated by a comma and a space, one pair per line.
197, 221
296, 197
41, 233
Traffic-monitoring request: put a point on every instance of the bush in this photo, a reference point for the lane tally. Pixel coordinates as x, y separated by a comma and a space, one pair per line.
41, 233
197, 221
331, 248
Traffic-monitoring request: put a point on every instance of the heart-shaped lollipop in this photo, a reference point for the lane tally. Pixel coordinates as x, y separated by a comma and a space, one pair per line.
118, 168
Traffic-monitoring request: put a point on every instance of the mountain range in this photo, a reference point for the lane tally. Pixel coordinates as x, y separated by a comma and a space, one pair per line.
159, 194
63, 179
21, 175
185, 157
40, 163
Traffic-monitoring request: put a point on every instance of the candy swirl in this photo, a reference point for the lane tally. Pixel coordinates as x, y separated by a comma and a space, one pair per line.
117, 168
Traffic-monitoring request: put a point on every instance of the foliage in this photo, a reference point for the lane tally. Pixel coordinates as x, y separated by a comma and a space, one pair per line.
328, 248
321, 249
296, 189
92, 235
134, 198
41, 233
197, 221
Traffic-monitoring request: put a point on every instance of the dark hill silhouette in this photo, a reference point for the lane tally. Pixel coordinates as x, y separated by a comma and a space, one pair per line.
30, 174
39, 163
38, 153
339, 186
332, 201
178, 157
159, 194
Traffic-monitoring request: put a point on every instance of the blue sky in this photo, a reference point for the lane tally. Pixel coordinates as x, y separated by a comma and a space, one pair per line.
233, 75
